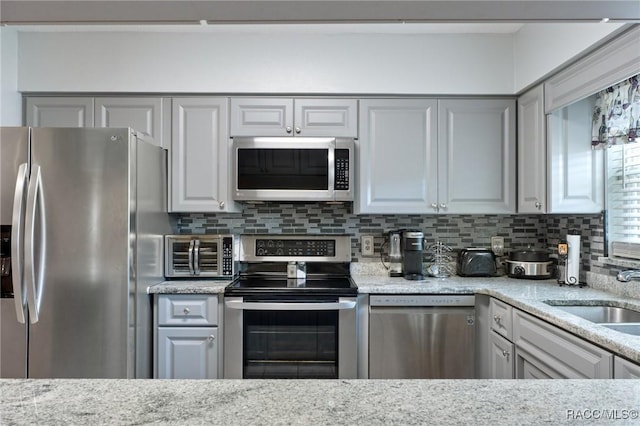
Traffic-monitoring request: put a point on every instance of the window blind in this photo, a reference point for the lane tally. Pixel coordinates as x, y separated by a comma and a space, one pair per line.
623, 200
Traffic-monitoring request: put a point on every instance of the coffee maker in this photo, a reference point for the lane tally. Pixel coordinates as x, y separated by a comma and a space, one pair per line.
412, 248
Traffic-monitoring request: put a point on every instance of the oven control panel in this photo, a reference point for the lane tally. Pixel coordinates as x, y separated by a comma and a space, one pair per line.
288, 247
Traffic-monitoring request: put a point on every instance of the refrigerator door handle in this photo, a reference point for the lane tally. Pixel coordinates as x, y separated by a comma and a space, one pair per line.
35, 204
17, 240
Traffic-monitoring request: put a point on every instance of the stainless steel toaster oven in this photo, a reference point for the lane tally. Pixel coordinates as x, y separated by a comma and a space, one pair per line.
199, 256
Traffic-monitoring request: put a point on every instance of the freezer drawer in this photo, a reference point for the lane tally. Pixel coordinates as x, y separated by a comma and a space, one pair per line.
421, 342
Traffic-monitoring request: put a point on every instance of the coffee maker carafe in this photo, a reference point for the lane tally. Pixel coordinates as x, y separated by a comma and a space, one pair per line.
395, 254
412, 248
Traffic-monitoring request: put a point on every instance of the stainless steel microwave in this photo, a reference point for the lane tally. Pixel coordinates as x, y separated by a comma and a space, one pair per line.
292, 169
199, 256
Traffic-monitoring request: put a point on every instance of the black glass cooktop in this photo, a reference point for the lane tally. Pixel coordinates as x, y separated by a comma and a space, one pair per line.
341, 286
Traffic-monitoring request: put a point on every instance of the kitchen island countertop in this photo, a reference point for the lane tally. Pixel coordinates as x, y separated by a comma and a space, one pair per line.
370, 402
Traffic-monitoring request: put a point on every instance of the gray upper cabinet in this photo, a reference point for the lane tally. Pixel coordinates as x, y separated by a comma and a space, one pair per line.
142, 114
59, 112
200, 156
532, 152
576, 172
291, 117
397, 156
436, 156
476, 156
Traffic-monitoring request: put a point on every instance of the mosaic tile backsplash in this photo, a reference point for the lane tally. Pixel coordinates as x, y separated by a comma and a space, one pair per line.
456, 231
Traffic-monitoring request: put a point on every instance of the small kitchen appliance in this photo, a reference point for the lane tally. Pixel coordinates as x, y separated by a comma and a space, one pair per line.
189, 256
530, 263
395, 254
476, 262
412, 249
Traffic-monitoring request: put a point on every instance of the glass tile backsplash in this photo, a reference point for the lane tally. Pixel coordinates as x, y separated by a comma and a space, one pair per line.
456, 231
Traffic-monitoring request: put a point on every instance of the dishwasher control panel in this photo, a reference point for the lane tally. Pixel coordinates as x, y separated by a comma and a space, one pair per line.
422, 300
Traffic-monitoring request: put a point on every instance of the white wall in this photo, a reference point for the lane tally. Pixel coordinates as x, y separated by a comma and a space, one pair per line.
263, 63
540, 49
10, 100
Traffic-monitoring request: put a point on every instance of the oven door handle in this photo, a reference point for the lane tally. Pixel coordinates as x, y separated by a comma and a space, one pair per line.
291, 306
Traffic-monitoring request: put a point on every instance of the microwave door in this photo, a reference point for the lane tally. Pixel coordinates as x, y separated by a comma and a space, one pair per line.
297, 169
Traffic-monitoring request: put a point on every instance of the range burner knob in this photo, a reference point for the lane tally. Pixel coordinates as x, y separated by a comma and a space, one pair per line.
261, 252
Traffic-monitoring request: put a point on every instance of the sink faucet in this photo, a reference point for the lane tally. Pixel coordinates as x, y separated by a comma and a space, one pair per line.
626, 276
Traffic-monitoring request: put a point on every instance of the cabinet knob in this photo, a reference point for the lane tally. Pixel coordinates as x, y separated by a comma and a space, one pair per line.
211, 337
288, 129
538, 205
186, 311
298, 130
434, 206
221, 204
443, 206
497, 319
506, 354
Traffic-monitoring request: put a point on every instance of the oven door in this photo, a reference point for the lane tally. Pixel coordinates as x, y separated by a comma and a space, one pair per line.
290, 338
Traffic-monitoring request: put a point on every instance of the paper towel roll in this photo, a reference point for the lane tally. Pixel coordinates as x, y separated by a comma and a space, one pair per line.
573, 259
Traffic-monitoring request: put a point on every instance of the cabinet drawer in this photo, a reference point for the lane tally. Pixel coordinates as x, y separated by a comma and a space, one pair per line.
565, 354
501, 318
188, 309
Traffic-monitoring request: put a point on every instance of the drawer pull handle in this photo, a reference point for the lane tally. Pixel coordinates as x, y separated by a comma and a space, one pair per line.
186, 311
212, 338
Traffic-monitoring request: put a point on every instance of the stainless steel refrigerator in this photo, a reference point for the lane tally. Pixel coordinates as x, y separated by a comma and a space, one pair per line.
83, 212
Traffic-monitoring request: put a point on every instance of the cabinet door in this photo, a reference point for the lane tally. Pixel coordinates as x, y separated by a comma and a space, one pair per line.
261, 117
623, 369
476, 156
566, 355
326, 117
187, 353
142, 114
576, 172
397, 156
59, 112
532, 152
200, 156
502, 356
530, 367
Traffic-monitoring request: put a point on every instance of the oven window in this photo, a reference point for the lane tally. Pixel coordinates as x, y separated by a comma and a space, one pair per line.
297, 169
290, 344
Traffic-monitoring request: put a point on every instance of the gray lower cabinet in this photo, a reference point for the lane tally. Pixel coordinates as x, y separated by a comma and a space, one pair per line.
623, 369
187, 336
502, 353
545, 351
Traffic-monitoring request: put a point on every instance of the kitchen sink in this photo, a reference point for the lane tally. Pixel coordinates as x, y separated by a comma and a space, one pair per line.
604, 313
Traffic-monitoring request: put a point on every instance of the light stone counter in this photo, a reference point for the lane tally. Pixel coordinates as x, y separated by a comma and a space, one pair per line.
318, 402
527, 295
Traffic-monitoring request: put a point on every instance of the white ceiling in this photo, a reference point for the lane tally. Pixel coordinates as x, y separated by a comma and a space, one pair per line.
21, 12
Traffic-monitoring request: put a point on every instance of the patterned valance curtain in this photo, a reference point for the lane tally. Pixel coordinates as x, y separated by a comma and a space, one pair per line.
616, 114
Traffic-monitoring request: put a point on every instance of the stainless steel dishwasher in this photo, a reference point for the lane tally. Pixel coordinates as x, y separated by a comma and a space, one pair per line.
421, 337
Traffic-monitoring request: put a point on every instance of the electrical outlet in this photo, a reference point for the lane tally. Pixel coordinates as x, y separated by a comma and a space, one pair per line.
366, 242
497, 245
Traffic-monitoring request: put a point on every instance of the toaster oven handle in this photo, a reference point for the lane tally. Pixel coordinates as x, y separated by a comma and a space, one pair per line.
191, 246
290, 306
196, 257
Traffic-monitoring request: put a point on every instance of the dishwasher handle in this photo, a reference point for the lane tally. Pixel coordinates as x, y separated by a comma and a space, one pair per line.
342, 304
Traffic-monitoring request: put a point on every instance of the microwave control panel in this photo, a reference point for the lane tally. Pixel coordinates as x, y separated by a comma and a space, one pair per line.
342, 169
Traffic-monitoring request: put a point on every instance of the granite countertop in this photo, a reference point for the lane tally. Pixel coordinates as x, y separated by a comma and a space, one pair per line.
353, 402
201, 286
